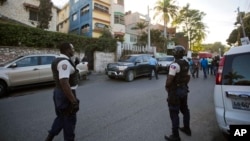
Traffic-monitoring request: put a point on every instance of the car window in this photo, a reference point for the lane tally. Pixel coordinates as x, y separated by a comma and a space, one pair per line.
138, 59
128, 58
47, 59
236, 70
146, 58
28, 61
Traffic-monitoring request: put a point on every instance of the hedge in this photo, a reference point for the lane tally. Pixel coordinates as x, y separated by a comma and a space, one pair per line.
18, 35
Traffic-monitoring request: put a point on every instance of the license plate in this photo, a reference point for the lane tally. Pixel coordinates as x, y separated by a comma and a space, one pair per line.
241, 104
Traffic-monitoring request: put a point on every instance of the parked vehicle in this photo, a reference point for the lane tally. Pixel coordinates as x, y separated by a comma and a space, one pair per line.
232, 88
30, 69
129, 67
164, 63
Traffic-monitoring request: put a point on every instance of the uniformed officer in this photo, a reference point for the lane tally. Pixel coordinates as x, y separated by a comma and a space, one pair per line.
66, 103
177, 89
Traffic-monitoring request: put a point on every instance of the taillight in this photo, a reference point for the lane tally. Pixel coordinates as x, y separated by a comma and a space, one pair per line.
219, 72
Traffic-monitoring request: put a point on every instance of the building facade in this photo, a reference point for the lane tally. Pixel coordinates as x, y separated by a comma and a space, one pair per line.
25, 12
89, 17
63, 19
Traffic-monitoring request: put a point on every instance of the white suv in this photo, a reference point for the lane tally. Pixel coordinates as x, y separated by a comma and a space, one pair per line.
232, 88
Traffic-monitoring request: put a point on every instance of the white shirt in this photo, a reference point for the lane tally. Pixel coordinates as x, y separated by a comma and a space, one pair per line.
175, 68
65, 68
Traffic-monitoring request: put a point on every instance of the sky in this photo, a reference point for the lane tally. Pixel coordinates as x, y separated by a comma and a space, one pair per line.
220, 14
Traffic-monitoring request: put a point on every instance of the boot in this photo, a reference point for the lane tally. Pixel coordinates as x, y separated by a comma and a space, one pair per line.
186, 130
174, 137
49, 138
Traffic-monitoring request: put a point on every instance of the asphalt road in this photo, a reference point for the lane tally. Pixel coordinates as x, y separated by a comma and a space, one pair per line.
110, 110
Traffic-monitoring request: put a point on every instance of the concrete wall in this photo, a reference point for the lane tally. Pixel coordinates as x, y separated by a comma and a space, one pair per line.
101, 59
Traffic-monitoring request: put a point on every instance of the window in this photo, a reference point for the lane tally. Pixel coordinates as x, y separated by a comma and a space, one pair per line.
101, 8
26, 62
236, 70
85, 10
100, 25
121, 2
85, 28
119, 18
33, 15
74, 17
45, 60
75, 1
133, 38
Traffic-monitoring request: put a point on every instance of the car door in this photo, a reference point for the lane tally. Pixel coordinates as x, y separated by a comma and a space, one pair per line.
236, 88
45, 68
146, 66
138, 66
24, 71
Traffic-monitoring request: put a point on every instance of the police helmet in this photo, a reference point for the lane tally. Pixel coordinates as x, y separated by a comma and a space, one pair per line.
179, 51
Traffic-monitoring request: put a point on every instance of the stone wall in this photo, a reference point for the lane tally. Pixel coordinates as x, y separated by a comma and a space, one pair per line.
9, 53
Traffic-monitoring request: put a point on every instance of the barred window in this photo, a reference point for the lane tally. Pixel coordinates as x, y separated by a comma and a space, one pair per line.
119, 18
33, 15
85, 10
101, 8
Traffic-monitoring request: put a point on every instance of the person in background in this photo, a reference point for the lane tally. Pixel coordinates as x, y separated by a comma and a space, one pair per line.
209, 67
66, 103
204, 66
177, 88
153, 65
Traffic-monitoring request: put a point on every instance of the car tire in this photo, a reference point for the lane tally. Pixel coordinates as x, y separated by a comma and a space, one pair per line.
111, 77
130, 76
3, 89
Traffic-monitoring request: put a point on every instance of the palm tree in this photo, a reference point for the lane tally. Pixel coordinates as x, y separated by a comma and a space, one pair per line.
140, 26
194, 28
166, 10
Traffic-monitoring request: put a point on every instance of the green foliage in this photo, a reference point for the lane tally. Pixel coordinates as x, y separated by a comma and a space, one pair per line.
44, 14
16, 35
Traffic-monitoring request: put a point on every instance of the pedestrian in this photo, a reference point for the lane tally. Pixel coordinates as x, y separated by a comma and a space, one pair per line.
177, 89
209, 67
191, 64
195, 72
66, 103
153, 67
204, 66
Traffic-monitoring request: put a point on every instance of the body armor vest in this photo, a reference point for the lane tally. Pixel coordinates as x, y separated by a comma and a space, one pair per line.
180, 78
73, 78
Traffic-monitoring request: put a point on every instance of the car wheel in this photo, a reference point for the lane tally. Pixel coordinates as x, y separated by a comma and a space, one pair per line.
130, 76
111, 77
3, 88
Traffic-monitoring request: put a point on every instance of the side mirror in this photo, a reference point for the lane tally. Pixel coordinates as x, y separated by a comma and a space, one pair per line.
13, 65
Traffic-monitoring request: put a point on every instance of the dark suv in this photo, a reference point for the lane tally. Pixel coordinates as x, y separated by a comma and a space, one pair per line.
129, 67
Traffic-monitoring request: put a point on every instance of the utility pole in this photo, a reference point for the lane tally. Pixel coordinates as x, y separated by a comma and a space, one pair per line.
241, 22
148, 18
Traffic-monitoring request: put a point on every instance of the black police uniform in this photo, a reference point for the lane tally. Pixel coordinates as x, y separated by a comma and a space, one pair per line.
177, 99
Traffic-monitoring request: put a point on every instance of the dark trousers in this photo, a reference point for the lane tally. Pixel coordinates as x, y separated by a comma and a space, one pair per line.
153, 69
182, 107
204, 72
63, 121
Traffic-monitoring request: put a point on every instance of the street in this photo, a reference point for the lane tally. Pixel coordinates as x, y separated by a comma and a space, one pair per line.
110, 110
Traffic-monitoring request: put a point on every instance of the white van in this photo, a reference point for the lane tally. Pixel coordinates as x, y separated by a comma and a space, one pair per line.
232, 88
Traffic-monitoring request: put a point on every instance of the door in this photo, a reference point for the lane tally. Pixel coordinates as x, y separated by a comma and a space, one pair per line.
24, 71
236, 89
45, 68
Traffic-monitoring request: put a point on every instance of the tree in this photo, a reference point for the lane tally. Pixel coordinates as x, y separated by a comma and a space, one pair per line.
2, 1
193, 26
236, 34
140, 26
156, 39
166, 10
44, 14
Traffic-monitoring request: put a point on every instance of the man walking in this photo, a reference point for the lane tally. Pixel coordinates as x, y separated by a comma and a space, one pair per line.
66, 104
153, 64
177, 89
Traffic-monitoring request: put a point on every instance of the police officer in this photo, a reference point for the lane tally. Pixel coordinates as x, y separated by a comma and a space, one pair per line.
153, 67
177, 89
66, 103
